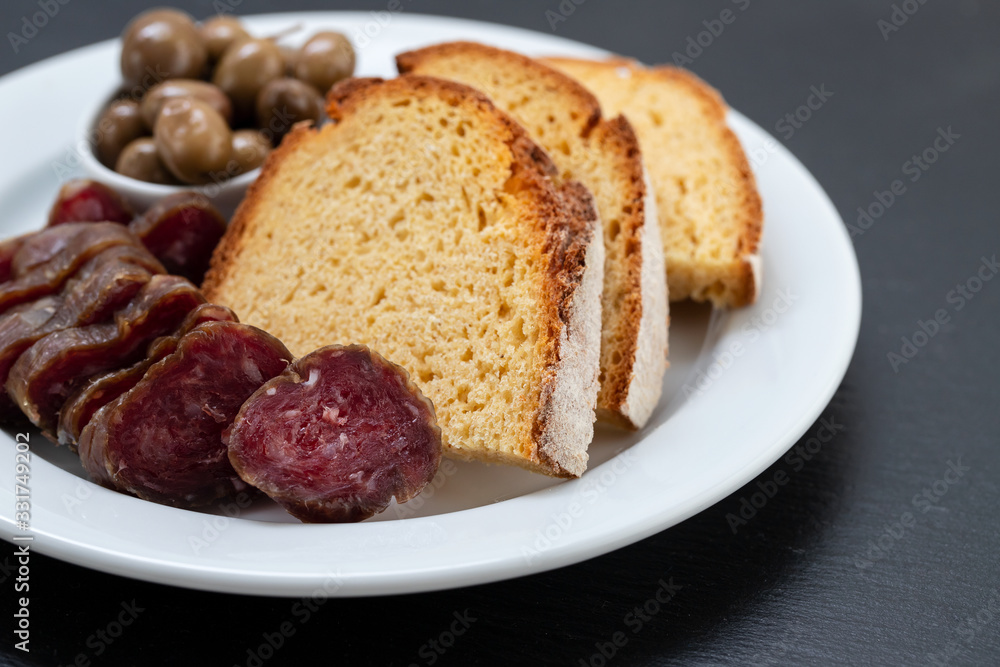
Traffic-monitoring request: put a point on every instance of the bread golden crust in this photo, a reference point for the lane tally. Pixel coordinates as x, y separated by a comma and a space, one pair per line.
540, 97
574, 247
557, 432
587, 110
618, 377
732, 283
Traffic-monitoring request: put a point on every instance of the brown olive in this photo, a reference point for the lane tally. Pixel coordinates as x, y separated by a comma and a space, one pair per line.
324, 60
219, 32
120, 123
291, 56
161, 44
284, 102
250, 149
200, 90
194, 141
244, 69
141, 160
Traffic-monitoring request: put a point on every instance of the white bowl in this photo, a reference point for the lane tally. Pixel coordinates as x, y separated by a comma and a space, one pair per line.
225, 195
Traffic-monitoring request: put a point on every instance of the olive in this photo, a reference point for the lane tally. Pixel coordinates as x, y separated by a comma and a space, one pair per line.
324, 60
219, 32
140, 160
199, 90
244, 69
120, 123
194, 141
250, 149
161, 44
284, 102
291, 56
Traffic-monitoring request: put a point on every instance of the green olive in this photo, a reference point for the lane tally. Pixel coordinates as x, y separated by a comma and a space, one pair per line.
194, 140
284, 102
120, 123
245, 68
161, 44
219, 32
250, 149
324, 60
141, 160
200, 90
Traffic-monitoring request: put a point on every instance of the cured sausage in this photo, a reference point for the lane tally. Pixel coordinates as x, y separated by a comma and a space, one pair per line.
101, 389
75, 249
83, 404
336, 436
41, 246
84, 200
46, 374
9, 412
103, 285
161, 440
182, 230
107, 282
8, 249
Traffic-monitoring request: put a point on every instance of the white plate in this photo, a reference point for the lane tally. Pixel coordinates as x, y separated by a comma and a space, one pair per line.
763, 374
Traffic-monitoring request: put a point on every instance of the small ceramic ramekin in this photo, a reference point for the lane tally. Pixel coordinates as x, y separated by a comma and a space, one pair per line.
225, 194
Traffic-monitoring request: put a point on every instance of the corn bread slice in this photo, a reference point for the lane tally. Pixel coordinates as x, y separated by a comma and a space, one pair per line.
710, 211
423, 222
565, 120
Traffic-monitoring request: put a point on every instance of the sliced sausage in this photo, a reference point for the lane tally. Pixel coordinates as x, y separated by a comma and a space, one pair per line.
8, 250
182, 230
84, 200
161, 440
50, 370
41, 246
336, 436
47, 277
105, 284
101, 389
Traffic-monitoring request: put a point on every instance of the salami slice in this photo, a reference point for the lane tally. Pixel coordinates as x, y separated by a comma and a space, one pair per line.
100, 390
38, 311
84, 200
47, 277
50, 370
336, 436
103, 285
8, 249
41, 246
182, 230
161, 440
106, 284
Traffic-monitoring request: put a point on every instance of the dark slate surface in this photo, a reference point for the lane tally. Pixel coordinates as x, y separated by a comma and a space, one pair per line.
873, 553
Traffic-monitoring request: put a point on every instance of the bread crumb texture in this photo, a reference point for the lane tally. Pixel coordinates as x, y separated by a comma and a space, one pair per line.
710, 211
564, 118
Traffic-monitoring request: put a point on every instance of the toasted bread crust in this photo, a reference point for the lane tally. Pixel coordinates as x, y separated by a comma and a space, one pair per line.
585, 101
560, 431
627, 394
741, 278
576, 261
613, 398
